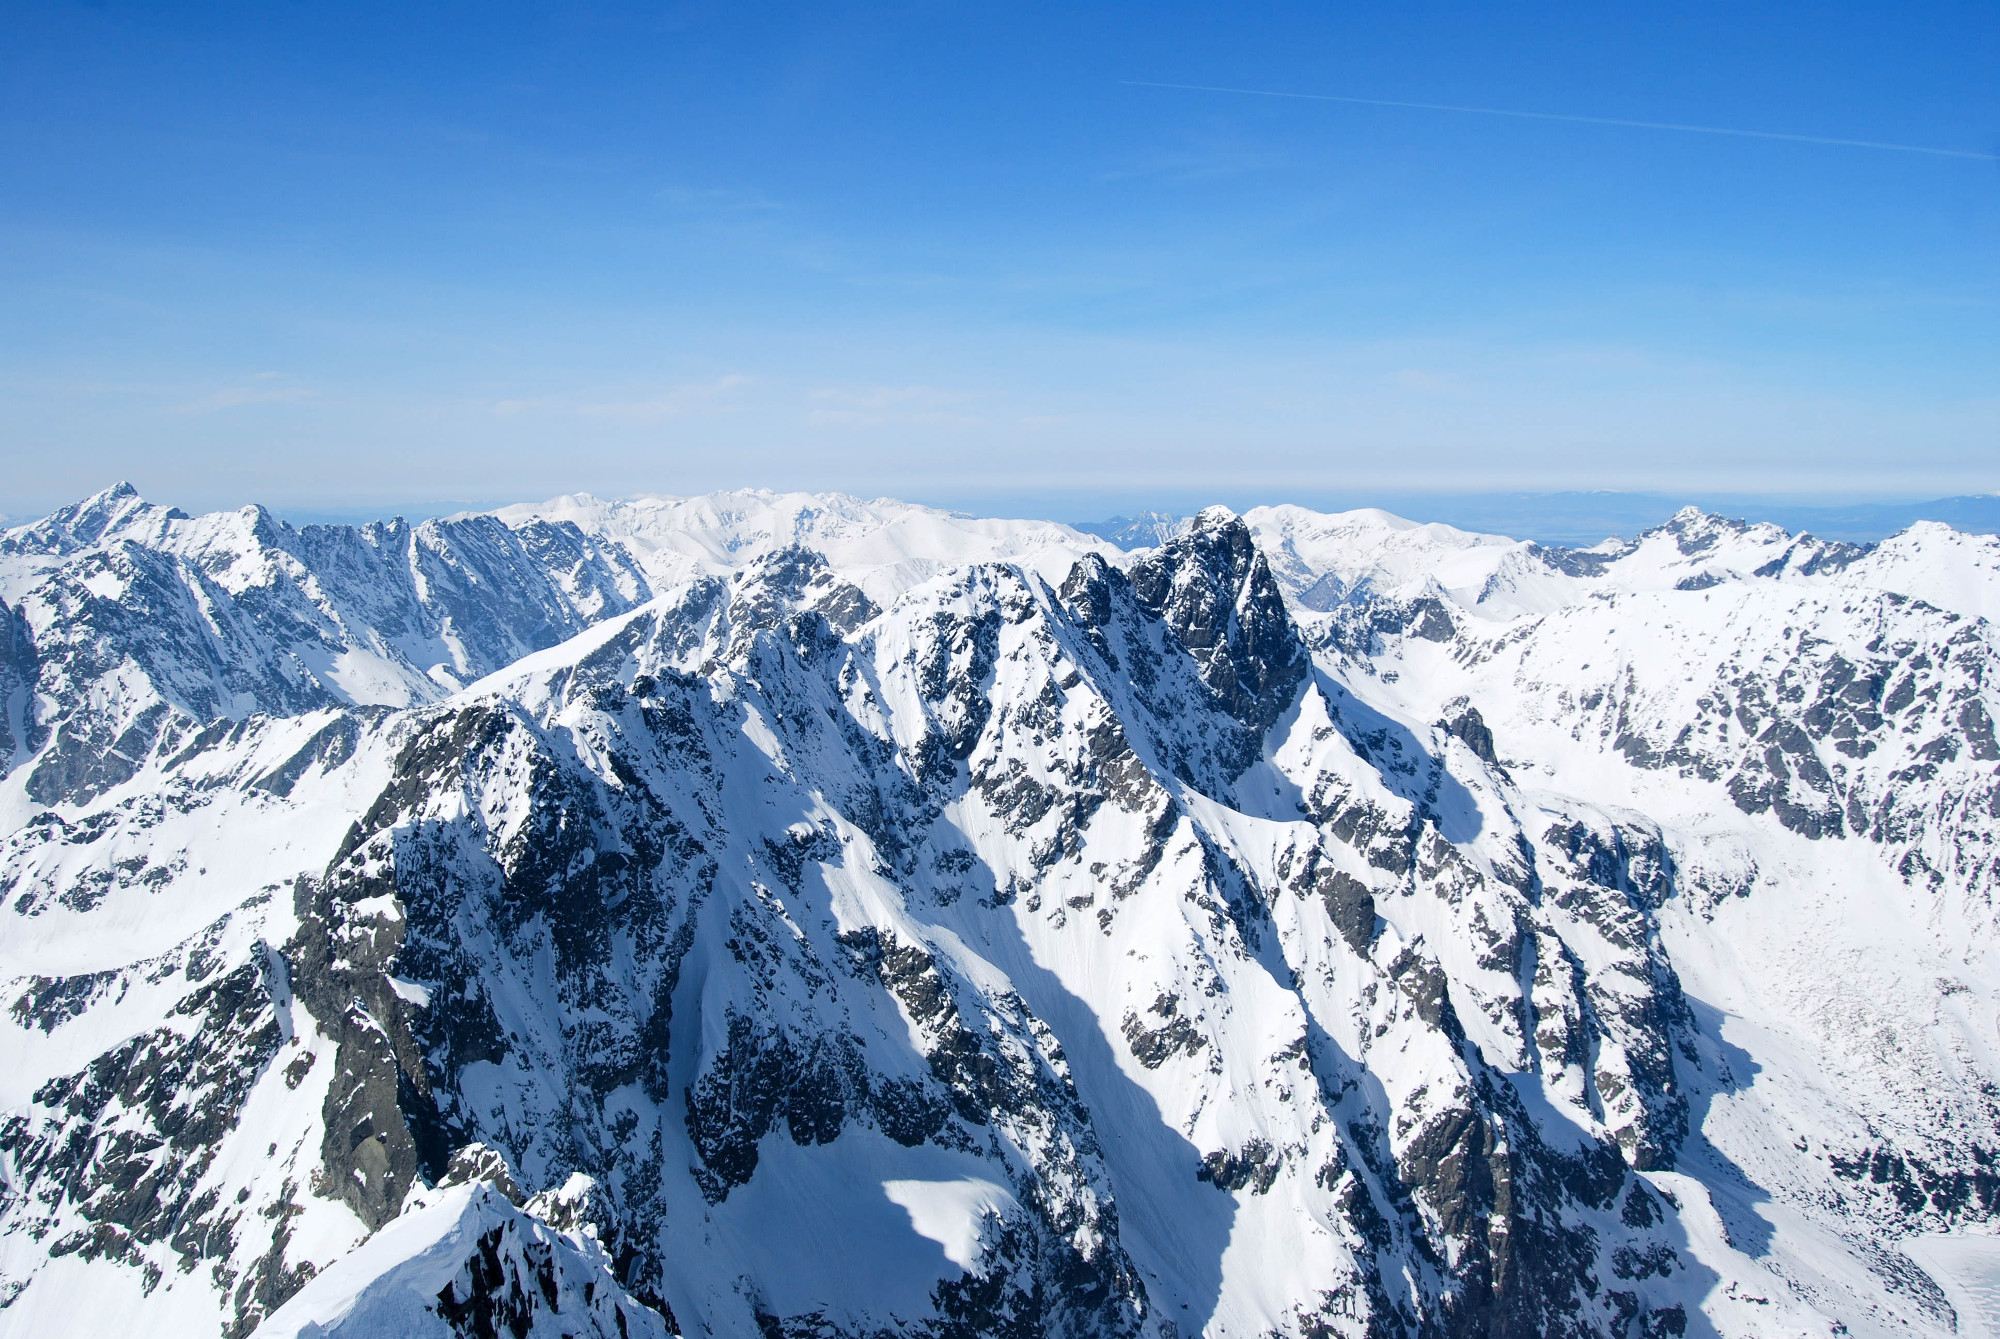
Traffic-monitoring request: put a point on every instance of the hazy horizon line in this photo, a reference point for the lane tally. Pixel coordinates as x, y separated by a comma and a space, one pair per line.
1573, 517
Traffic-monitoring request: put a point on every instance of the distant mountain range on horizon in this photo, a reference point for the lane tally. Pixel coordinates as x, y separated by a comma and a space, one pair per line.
1576, 518
1582, 519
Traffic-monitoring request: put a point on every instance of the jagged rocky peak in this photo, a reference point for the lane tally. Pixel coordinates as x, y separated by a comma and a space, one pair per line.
117, 510
1726, 547
1696, 531
1213, 587
796, 579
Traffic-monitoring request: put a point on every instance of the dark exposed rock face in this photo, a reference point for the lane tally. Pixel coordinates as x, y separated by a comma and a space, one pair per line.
111, 1161
515, 1280
1213, 588
1469, 728
18, 673
1187, 709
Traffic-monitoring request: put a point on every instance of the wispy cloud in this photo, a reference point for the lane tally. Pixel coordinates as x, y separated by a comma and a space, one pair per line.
715, 199
1204, 157
1422, 382
1731, 131
886, 406
696, 398
263, 388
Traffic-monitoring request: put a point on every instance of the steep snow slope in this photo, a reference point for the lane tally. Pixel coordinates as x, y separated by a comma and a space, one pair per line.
1130, 951
1938, 565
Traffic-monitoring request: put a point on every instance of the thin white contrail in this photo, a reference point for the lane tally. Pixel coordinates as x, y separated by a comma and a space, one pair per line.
1585, 120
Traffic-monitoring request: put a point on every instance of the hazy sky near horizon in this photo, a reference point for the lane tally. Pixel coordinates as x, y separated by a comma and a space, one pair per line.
352, 256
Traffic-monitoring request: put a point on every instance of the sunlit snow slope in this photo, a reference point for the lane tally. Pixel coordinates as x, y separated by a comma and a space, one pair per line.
764, 915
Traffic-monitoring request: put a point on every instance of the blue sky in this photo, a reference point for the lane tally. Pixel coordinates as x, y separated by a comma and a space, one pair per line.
359, 256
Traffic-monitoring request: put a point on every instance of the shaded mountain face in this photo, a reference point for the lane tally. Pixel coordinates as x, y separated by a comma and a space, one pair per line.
1148, 951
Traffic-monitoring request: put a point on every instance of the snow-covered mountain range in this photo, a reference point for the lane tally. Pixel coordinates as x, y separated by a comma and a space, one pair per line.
783, 915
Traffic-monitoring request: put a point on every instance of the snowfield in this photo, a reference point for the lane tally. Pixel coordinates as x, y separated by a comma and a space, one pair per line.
787, 915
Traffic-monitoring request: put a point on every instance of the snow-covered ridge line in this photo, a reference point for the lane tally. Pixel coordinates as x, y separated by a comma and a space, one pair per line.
1325, 560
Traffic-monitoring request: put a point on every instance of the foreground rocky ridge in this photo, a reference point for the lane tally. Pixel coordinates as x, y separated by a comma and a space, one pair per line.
1207, 940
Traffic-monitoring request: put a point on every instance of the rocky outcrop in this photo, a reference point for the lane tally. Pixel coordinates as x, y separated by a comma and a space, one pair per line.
1212, 587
